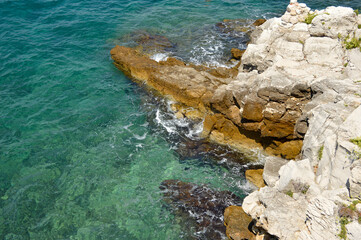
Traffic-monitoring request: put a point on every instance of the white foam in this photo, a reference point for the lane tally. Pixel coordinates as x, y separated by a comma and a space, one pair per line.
140, 137
159, 57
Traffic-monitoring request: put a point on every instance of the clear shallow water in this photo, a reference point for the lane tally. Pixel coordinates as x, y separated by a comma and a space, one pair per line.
81, 151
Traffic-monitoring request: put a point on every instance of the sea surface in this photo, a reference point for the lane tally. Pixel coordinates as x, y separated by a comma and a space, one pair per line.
83, 149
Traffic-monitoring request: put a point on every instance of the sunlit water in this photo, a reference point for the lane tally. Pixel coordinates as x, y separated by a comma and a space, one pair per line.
83, 150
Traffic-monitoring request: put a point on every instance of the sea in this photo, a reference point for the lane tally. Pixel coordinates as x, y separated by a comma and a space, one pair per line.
84, 149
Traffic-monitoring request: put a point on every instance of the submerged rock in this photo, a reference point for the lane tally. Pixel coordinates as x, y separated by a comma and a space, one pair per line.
201, 204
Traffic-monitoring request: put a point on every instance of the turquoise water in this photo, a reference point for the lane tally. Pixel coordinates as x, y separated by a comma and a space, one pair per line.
82, 153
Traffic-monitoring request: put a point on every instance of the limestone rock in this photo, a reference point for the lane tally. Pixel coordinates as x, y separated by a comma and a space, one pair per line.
295, 176
237, 223
355, 180
275, 218
321, 219
271, 169
323, 51
255, 176
353, 230
334, 21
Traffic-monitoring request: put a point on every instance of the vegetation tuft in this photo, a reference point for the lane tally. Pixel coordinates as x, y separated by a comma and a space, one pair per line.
343, 234
309, 18
289, 193
320, 152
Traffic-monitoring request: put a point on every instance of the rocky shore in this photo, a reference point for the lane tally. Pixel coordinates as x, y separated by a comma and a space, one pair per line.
295, 94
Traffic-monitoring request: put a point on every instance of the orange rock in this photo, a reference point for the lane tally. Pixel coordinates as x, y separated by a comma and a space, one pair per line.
237, 223
277, 129
287, 149
253, 111
259, 22
255, 176
251, 126
237, 53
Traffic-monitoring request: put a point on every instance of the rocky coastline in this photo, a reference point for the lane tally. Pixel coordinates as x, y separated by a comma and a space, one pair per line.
295, 95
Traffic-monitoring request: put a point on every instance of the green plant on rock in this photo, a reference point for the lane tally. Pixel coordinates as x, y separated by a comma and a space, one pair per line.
351, 43
343, 234
289, 193
356, 11
357, 142
359, 26
320, 152
353, 205
310, 17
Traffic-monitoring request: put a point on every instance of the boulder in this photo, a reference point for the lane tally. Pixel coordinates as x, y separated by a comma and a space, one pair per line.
259, 22
334, 21
253, 111
237, 223
295, 176
237, 53
353, 230
271, 169
255, 176
276, 212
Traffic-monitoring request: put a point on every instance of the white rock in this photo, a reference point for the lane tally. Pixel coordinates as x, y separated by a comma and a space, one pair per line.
353, 231
321, 220
358, 207
323, 51
334, 21
295, 176
271, 169
355, 180
302, 5
288, 50
275, 218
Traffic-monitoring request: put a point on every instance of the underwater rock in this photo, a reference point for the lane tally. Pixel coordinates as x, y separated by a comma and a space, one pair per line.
200, 204
152, 43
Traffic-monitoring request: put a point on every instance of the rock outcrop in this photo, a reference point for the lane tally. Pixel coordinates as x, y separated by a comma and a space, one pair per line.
295, 94
242, 109
303, 198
